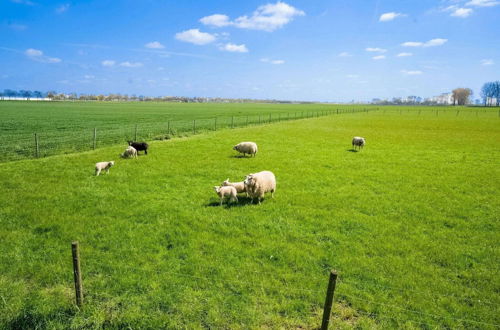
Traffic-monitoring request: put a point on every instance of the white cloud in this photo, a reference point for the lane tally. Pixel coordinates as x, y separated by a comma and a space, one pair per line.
52, 60
154, 45
344, 54
234, 48
376, 50
461, 12
33, 52
379, 57
487, 62
217, 20
89, 76
483, 3
390, 16
352, 76
17, 27
268, 17
108, 63
412, 73
195, 36
430, 43
128, 64
24, 2
62, 8
266, 60
404, 54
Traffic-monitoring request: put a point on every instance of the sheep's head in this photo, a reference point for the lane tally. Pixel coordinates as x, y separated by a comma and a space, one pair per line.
248, 180
235, 147
130, 142
111, 163
225, 182
216, 188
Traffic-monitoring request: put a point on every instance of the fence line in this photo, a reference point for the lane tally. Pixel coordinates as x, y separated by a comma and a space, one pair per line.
51, 143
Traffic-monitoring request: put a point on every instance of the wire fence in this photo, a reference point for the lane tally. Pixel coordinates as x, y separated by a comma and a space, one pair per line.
43, 144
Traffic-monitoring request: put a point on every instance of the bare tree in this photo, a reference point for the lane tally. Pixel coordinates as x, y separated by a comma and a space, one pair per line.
461, 96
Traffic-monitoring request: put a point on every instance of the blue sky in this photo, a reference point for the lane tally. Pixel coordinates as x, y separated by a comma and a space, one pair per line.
319, 50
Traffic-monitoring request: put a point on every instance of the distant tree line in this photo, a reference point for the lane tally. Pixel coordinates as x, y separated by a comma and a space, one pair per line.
461, 96
490, 93
23, 93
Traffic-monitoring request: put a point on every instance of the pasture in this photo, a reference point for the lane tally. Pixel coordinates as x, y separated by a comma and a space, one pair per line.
411, 223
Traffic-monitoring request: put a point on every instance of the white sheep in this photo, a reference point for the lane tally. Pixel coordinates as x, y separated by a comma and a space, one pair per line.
239, 186
103, 166
226, 191
246, 148
130, 152
257, 184
358, 141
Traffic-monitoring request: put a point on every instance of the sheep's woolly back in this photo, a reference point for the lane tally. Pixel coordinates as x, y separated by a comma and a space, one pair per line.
224, 191
103, 165
260, 183
239, 186
246, 147
358, 141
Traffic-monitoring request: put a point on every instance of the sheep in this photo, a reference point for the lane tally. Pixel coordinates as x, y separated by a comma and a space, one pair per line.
257, 184
240, 186
139, 146
359, 142
103, 166
129, 152
246, 148
226, 191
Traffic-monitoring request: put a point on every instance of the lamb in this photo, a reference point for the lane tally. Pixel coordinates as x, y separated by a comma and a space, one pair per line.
130, 152
103, 166
239, 186
226, 191
257, 184
246, 148
358, 141
139, 146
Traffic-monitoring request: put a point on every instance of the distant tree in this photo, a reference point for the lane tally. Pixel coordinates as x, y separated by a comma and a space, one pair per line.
37, 94
461, 96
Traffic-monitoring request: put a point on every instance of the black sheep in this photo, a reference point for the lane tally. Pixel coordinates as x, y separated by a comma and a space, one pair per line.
139, 146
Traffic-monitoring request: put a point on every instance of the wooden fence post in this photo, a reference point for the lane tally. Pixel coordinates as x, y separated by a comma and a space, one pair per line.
168, 127
259, 119
215, 124
194, 126
329, 300
135, 135
77, 273
37, 147
270, 116
232, 122
247, 122
95, 138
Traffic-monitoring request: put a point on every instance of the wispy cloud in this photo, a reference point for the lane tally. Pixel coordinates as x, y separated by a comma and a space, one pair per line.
487, 62
229, 47
344, 54
17, 27
378, 57
457, 11
412, 72
386, 17
404, 54
268, 17
376, 50
62, 8
108, 63
266, 60
128, 64
195, 36
24, 2
483, 3
352, 76
154, 45
37, 55
430, 43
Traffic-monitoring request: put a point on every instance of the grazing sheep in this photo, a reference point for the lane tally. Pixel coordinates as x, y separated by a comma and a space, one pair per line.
226, 191
103, 166
239, 186
358, 141
130, 152
139, 146
257, 184
246, 148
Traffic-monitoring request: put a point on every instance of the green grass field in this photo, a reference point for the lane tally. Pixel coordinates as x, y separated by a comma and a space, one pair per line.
411, 223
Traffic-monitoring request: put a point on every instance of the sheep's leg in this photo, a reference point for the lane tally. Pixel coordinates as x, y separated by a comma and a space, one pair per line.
97, 172
272, 193
221, 201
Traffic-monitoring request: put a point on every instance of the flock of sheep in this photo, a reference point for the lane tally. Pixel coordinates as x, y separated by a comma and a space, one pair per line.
255, 185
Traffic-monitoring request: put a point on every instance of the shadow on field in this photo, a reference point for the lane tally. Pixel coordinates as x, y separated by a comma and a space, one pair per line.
242, 201
240, 156
352, 150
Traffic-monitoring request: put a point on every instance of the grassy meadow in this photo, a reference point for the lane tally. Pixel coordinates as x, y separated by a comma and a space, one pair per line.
411, 223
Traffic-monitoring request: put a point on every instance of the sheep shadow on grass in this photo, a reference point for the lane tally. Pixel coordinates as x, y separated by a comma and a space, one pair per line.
352, 150
240, 156
242, 201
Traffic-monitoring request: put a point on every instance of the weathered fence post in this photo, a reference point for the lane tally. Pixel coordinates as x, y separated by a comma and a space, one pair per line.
215, 124
77, 273
135, 135
232, 122
95, 138
279, 117
270, 116
329, 300
37, 147
259, 119
168, 127
247, 122
458, 112
194, 126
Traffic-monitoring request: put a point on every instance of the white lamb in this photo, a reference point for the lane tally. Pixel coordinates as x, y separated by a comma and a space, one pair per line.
358, 141
246, 148
103, 166
130, 152
239, 186
226, 191
257, 184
